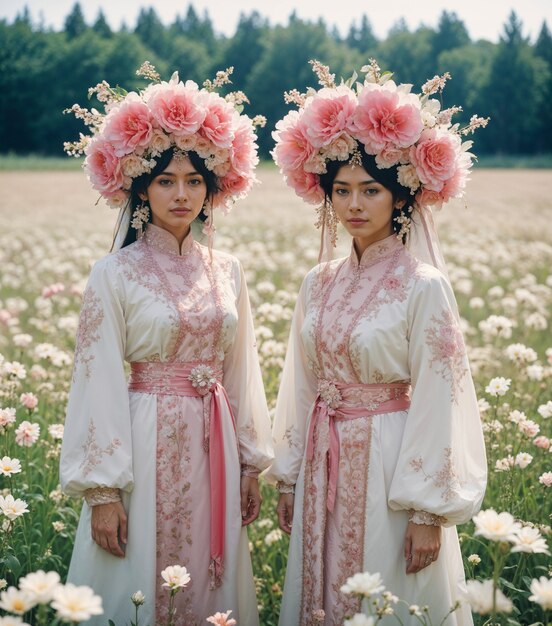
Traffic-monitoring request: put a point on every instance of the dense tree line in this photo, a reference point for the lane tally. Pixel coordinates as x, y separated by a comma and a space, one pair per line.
43, 71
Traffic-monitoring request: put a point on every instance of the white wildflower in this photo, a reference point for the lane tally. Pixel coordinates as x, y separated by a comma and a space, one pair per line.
495, 526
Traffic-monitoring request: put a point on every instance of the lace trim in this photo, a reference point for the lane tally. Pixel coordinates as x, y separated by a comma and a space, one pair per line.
423, 517
102, 495
284, 487
250, 470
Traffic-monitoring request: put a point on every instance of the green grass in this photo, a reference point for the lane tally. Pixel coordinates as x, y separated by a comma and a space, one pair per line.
515, 161
32, 162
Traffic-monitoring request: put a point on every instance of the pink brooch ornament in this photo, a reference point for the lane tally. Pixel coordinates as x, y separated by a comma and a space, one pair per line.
137, 127
202, 378
329, 394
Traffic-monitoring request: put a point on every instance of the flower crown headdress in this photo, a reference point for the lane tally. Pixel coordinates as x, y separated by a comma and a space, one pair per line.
138, 126
397, 127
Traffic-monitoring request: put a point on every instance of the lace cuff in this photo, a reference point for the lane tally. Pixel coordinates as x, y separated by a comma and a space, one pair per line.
101, 495
284, 487
422, 517
250, 470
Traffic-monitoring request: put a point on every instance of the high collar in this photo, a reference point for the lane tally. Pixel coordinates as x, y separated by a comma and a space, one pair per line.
375, 252
164, 241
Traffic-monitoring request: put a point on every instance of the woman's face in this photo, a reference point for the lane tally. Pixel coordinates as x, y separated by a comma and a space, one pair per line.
176, 197
363, 206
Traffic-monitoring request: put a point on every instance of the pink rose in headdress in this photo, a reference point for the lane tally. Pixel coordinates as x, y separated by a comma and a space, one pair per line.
390, 155
243, 153
435, 157
426, 197
455, 185
233, 185
306, 185
103, 167
328, 114
293, 147
129, 127
217, 125
386, 115
177, 108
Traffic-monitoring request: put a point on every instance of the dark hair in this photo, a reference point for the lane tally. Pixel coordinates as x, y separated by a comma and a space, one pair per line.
141, 183
385, 176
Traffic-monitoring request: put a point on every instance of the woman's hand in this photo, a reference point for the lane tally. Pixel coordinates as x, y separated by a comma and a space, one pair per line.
421, 546
109, 527
285, 511
250, 499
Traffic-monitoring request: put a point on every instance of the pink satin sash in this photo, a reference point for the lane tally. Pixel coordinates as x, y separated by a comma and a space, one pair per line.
339, 402
199, 381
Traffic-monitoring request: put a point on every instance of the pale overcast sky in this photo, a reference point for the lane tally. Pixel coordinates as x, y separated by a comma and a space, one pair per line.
483, 18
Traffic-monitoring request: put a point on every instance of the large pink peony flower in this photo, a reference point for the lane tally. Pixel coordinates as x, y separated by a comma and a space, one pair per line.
329, 114
129, 126
386, 115
177, 108
218, 122
103, 167
306, 185
436, 157
243, 153
293, 147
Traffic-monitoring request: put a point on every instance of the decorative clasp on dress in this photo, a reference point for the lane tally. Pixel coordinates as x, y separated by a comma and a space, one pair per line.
203, 379
329, 394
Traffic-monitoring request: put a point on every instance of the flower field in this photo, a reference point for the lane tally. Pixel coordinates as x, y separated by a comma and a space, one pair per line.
499, 252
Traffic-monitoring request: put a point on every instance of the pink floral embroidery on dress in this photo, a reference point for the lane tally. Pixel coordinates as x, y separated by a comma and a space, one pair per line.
91, 317
446, 478
174, 506
448, 353
93, 453
354, 463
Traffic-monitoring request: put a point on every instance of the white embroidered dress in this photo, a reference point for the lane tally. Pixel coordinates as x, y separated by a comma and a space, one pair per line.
386, 319
154, 303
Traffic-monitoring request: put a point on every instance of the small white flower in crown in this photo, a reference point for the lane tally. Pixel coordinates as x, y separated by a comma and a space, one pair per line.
202, 378
329, 393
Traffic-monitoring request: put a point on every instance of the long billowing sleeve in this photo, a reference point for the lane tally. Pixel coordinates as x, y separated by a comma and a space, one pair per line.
441, 467
244, 385
298, 389
97, 445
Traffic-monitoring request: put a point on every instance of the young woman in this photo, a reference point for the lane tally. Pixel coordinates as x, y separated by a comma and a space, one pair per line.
379, 449
168, 462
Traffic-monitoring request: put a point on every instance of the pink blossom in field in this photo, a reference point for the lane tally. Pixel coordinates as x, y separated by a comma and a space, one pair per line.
386, 115
528, 427
7, 416
542, 442
523, 459
52, 290
29, 401
435, 157
103, 167
328, 115
293, 148
26, 434
546, 479
222, 619
217, 124
129, 126
176, 108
